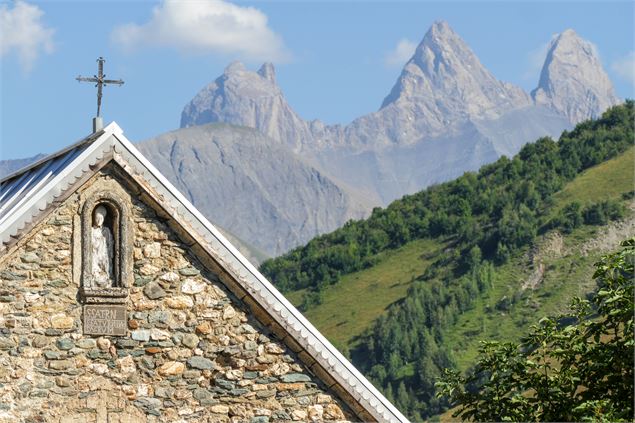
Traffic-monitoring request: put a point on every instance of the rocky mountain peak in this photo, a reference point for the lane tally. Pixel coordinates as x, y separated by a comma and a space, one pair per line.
234, 68
441, 34
573, 81
445, 82
247, 98
268, 72
441, 29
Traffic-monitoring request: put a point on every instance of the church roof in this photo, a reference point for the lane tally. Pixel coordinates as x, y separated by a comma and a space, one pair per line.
24, 191
26, 195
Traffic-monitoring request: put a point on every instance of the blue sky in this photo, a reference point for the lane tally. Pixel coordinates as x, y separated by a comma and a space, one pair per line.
334, 60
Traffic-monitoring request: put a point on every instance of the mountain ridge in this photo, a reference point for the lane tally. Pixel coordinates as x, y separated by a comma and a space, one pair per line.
444, 66
442, 83
444, 100
251, 99
446, 114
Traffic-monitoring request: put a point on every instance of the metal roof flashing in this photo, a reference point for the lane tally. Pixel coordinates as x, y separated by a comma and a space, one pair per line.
86, 140
28, 192
74, 161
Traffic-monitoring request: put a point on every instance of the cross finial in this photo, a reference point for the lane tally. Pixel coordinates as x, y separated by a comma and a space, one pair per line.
99, 83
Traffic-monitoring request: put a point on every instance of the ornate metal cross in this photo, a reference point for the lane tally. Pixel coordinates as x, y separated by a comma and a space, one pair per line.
100, 82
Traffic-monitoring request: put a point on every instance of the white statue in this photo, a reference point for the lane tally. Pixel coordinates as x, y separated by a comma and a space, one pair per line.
102, 249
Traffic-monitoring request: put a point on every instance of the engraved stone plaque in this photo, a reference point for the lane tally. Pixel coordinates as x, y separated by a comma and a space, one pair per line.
105, 320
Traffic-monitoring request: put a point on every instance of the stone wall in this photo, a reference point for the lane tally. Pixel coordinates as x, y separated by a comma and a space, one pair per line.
192, 353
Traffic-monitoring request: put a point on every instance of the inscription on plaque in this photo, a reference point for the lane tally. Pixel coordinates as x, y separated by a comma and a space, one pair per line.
105, 320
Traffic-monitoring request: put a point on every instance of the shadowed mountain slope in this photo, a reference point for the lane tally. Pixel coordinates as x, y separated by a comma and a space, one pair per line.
245, 182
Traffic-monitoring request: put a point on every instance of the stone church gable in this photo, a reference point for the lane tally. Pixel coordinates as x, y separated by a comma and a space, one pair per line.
193, 351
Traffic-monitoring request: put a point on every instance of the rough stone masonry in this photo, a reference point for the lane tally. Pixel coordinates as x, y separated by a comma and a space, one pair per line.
191, 352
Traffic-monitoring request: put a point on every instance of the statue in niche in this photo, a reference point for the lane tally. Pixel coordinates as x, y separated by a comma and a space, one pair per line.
102, 251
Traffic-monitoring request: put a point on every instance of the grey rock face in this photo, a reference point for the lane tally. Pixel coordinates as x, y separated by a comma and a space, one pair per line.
252, 99
572, 80
245, 182
444, 83
394, 172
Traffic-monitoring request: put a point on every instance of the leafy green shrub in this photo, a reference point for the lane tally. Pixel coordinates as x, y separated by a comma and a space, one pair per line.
603, 212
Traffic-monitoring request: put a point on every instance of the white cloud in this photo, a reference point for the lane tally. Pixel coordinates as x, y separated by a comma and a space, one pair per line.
402, 52
625, 67
205, 26
22, 31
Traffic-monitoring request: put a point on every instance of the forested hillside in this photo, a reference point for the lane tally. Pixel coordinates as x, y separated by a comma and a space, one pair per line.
471, 237
576, 366
497, 209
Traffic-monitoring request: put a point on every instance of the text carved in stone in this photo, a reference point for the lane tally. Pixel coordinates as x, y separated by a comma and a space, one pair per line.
105, 320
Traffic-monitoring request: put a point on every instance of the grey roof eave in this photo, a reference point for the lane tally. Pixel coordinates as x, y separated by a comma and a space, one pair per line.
44, 159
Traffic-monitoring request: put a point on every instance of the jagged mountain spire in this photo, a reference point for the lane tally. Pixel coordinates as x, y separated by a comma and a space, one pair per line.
246, 98
446, 81
573, 81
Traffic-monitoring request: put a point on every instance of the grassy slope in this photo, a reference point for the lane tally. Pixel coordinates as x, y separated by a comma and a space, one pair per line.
350, 307
566, 275
604, 181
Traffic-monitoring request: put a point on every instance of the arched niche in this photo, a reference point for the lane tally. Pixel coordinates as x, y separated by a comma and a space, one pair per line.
96, 286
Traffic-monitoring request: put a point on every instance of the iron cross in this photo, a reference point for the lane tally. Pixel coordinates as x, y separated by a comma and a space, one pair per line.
99, 81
